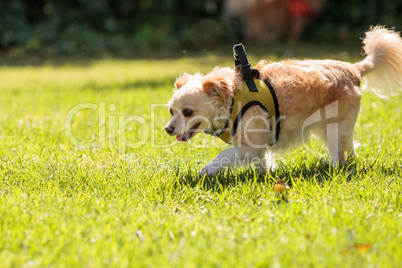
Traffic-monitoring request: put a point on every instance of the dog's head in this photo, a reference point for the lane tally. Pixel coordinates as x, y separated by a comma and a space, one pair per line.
199, 102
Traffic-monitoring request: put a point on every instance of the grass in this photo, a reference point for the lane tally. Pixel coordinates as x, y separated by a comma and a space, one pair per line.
134, 201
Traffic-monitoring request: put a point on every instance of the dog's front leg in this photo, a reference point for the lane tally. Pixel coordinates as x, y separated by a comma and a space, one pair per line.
233, 157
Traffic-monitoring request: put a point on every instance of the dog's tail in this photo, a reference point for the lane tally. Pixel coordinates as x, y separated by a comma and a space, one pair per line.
382, 68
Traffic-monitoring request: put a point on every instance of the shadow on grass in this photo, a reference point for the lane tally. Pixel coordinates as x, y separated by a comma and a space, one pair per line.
317, 172
226, 179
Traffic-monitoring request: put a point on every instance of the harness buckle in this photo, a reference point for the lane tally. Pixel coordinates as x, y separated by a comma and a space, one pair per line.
243, 66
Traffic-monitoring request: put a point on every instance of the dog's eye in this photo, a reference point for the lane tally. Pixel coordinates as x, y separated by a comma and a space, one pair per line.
187, 112
171, 111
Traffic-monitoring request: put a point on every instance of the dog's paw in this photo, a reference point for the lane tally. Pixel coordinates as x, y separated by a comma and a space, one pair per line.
203, 171
207, 171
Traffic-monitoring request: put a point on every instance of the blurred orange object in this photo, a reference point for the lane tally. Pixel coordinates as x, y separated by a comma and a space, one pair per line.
362, 247
300, 8
273, 20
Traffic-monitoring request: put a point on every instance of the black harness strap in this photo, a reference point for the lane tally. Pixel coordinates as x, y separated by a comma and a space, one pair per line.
242, 112
277, 114
243, 66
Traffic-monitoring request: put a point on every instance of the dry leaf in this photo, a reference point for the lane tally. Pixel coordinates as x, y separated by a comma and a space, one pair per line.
280, 186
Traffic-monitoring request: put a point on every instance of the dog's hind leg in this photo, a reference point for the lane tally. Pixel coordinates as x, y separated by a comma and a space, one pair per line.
335, 151
346, 141
346, 129
347, 125
340, 137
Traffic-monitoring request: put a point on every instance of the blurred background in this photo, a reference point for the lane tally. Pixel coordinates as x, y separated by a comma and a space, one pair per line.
50, 28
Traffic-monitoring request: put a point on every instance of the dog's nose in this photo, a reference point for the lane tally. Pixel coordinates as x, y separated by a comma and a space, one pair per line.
169, 130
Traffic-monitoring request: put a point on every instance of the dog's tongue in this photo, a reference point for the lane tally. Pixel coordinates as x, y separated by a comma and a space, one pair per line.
183, 137
180, 137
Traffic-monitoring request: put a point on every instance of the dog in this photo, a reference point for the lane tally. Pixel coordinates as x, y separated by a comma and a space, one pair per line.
303, 88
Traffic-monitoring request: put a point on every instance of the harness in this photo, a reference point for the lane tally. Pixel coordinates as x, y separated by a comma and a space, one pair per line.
256, 91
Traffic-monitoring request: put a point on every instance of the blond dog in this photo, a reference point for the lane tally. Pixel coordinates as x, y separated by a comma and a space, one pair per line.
305, 90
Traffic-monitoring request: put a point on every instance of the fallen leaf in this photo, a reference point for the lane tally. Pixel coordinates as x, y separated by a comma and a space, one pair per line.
281, 186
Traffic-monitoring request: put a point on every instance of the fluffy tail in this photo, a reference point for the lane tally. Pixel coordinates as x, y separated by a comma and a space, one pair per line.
382, 68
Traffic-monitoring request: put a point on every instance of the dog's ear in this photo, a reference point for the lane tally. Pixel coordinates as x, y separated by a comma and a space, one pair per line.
182, 80
217, 85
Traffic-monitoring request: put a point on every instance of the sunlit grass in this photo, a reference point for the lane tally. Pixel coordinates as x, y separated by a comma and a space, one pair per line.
121, 205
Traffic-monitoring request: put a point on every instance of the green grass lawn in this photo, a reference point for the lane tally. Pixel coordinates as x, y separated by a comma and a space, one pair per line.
113, 189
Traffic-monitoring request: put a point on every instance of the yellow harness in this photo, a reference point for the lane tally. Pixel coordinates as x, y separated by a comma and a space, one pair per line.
256, 91
244, 100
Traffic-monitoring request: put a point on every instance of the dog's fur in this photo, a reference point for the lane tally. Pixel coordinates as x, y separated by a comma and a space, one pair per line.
306, 90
